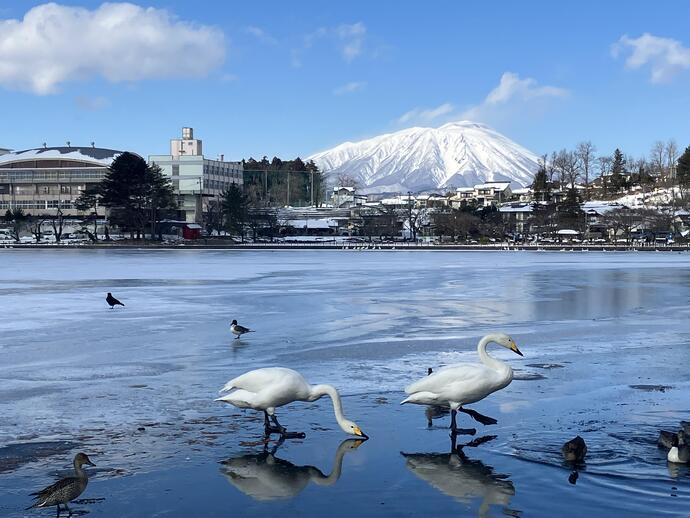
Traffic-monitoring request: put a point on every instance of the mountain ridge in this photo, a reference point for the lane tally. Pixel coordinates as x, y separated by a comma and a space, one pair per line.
456, 154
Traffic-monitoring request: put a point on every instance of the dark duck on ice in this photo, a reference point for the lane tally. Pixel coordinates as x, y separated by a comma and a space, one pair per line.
67, 489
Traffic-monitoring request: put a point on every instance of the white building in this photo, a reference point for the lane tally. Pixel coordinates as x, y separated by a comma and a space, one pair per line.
197, 180
485, 194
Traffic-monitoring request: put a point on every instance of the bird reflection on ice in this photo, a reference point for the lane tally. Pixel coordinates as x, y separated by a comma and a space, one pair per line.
459, 477
264, 476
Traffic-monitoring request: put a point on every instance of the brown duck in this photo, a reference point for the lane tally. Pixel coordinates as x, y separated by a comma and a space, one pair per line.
65, 490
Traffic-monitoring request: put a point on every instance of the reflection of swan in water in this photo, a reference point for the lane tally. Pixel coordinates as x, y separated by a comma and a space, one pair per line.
455, 475
264, 476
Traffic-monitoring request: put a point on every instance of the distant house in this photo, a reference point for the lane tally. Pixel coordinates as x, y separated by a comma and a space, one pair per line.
492, 193
346, 197
523, 194
485, 194
516, 215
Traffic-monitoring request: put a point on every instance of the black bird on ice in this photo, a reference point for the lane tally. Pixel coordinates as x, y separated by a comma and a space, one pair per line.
112, 301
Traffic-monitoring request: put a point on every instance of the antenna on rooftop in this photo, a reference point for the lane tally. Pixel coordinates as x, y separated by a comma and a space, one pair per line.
93, 144
69, 144
45, 145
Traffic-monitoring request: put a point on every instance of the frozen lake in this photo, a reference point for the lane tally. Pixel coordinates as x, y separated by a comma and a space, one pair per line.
606, 339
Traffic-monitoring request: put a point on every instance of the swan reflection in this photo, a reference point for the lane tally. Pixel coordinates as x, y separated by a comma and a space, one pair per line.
264, 476
459, 477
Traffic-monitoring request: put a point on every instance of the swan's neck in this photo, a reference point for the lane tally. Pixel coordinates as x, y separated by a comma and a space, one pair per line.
320, 479
318, 391
490, 361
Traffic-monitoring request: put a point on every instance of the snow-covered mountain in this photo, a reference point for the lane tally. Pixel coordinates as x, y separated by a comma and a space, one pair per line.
458, 154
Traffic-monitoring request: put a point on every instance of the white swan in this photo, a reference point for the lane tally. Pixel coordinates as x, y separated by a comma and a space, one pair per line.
267, 477
465, 383
272, 387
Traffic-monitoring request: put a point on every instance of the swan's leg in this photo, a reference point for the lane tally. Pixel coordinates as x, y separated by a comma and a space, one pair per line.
454, 430
284, 434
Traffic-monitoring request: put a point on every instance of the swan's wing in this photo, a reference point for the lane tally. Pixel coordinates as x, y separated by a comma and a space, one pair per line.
259, 379
240, 398
439, 381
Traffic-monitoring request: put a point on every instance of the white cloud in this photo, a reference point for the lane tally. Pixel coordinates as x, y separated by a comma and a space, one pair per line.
426, 115
348, 38
351, 40
261, 35
665, 56
349, 88
510, 90
54, 44
512, 94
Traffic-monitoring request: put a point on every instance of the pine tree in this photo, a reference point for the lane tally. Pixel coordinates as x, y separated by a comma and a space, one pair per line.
136, 192
540, 186
617, 170
235, 209
683, 169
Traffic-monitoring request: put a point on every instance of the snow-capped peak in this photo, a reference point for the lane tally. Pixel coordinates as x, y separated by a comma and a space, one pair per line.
457, 154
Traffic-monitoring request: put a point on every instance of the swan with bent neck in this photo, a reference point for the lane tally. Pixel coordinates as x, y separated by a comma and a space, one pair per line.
465, 383
272, 387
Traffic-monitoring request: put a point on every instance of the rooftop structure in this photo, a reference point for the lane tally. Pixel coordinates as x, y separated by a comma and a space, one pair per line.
196, 179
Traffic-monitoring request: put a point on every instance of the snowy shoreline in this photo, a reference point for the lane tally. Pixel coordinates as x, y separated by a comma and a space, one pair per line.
498, 247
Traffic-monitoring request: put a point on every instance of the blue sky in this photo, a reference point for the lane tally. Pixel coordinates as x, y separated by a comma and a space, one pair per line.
292, 78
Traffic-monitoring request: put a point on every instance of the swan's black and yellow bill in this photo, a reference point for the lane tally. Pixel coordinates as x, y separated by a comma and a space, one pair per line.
359, 433
515, 349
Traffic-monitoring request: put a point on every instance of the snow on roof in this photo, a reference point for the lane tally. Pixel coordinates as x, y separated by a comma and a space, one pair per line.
567, 232
95, 155
500, 186
349, 189
516, 208
601, 207
399, 200
464, 189
524, 190
313, 223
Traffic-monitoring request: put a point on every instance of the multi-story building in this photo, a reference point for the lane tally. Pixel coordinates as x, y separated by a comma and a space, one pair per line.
41, 180
197, 180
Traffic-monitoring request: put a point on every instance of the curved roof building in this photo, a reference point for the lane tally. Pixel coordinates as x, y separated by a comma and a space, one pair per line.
41, 180
71, 156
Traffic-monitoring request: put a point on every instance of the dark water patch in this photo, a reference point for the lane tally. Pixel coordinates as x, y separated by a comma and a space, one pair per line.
528, 376
651, 388
15, 455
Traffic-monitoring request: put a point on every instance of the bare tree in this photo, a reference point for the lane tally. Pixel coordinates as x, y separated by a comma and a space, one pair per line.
57, 222
585, 153
671, 155
568, 166
36, 227
657, 158
624, 220
346, 180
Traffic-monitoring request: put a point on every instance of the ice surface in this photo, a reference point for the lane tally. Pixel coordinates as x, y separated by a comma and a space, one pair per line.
135, 385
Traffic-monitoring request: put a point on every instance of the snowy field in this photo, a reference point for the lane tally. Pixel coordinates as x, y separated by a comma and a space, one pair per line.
606, 339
